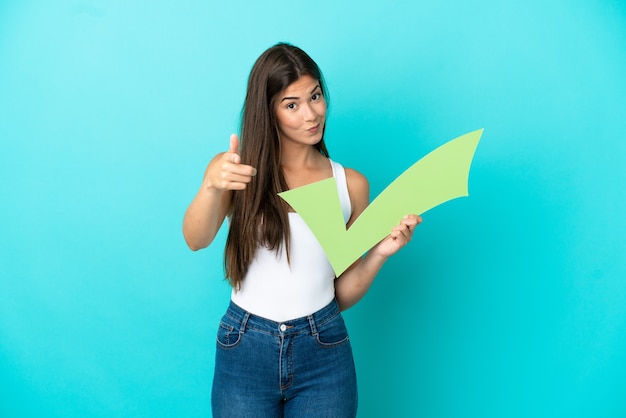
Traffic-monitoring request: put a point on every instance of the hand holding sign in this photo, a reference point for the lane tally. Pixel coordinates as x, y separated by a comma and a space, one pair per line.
440, 176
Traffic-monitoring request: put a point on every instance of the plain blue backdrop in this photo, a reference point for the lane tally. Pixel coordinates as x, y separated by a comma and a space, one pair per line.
509, 303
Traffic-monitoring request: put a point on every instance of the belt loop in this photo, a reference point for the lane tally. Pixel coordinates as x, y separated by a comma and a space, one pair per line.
244, 322
312, 324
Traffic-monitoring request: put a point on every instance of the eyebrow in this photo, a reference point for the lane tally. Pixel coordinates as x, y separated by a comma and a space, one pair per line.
296, 98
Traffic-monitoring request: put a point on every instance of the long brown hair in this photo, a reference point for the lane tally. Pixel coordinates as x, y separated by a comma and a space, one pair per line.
259, 216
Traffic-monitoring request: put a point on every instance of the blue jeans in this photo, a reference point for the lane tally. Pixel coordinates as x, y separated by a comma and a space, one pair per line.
299, 368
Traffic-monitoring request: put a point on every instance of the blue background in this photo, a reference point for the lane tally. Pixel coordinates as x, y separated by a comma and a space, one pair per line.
509, 303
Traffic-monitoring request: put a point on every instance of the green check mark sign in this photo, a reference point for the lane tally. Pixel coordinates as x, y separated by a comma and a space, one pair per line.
440, 176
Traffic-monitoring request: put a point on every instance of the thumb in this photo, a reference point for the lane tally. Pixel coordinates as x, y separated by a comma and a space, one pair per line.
234, 144
234, 148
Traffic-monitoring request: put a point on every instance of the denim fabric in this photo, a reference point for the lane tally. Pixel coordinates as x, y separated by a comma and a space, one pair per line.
299, 368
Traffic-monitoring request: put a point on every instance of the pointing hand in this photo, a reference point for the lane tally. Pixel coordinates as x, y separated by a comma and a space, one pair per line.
225, 171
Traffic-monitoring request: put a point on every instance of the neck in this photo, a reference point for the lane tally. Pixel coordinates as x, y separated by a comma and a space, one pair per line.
304, 166
299, 158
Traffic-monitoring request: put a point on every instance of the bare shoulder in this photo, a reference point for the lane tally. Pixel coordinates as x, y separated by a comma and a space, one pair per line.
359, 190
357, 182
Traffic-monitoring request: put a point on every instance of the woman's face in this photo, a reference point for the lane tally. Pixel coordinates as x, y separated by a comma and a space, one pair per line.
301, 112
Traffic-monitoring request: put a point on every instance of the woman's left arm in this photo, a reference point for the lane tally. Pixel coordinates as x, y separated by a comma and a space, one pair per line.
352, 284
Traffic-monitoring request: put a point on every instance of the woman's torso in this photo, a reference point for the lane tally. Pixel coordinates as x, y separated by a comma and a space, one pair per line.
280, 291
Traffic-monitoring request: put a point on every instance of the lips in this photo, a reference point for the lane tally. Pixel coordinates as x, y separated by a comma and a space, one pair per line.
314, 129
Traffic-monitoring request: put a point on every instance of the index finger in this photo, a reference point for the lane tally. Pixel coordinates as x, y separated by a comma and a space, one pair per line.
241, 169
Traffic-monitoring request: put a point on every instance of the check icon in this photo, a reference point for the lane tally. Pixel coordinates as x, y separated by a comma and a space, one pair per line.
438, 177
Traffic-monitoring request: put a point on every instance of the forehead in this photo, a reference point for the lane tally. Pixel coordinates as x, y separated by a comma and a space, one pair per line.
302, 86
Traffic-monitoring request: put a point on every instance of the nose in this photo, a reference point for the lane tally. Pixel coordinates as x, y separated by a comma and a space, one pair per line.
309, 113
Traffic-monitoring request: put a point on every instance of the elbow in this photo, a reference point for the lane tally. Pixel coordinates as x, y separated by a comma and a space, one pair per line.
192, 244
344, 301
194, 247
344, 305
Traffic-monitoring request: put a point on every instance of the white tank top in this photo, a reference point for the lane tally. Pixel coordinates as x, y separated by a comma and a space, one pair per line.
278, 291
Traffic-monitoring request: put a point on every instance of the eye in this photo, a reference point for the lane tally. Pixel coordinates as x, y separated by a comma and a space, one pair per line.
291, 106
316, 97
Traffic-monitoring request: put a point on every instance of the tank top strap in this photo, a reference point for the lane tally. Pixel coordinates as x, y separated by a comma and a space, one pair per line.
339, 173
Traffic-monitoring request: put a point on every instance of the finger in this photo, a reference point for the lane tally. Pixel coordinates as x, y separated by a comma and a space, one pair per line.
411, 221
234, 149
236, 178
399, 231
395, 234
239, 169
234, 186
234, 144
234, 183
403, 231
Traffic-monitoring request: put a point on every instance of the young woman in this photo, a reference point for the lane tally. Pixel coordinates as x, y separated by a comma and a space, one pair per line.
282, 346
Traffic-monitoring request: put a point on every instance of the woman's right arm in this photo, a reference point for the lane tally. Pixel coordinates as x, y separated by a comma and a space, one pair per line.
207, 210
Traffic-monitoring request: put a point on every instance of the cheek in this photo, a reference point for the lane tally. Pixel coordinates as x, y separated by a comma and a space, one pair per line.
281, 120
322, 109
288, 122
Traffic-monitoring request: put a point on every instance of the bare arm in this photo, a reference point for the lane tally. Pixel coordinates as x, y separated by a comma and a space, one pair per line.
354, 283
207, 210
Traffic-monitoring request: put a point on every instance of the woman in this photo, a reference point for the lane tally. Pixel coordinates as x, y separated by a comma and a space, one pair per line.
282, 346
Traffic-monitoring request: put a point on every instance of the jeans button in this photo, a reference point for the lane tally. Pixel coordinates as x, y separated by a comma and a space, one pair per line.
283, 327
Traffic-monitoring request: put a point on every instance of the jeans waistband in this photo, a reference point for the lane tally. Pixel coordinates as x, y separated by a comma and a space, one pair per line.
305, 323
